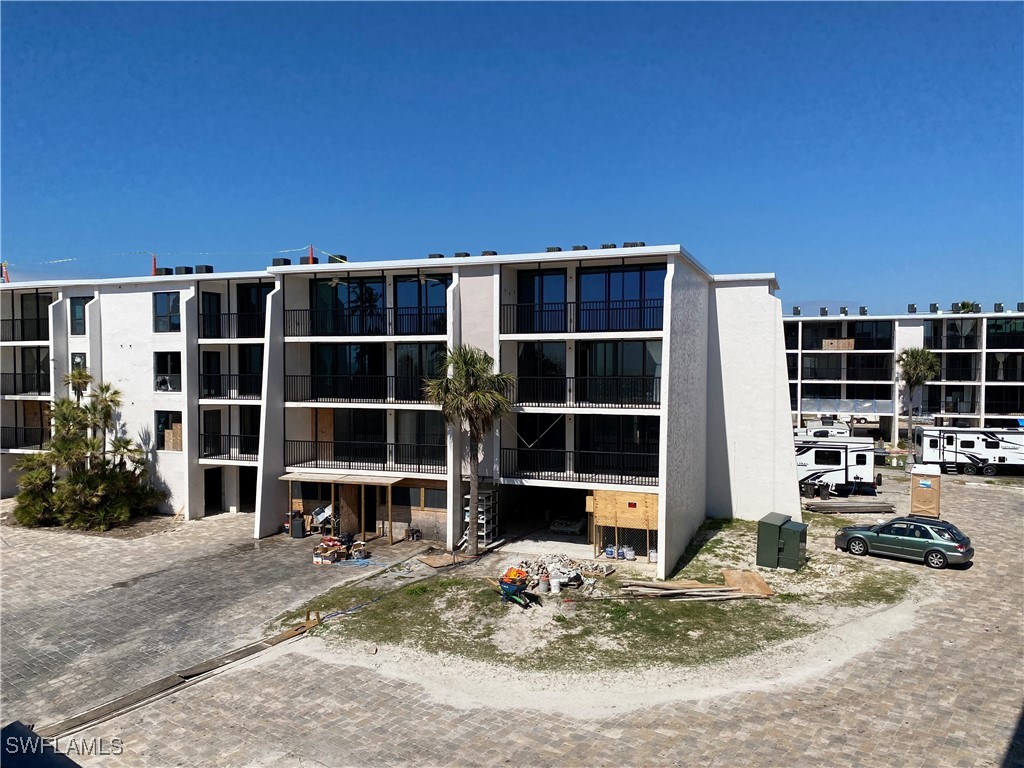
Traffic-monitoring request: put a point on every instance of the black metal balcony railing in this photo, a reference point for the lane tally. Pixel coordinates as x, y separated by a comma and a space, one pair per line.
25, 330
862, 373
616, 468
592, 391
872, 342
229, 447
30, 438
952, 406
232, 386
377, 456
1004, 340
167, 382
389, 321
232, 325
583, 316
956, 341
823, 374
25, 384
354, 389
959, 374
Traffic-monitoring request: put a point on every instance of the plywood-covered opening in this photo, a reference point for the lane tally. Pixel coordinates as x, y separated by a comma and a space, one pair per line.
624, 520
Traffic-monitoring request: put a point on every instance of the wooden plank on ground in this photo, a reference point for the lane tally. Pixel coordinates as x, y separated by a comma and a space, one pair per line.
161, 685
684, 584
749, 582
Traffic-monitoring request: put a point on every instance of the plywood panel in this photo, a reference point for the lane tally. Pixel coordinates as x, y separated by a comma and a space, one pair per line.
626, 509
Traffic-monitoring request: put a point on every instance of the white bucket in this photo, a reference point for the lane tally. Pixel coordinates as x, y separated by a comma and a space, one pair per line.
544, 585
556, 586
629, 553
653, 556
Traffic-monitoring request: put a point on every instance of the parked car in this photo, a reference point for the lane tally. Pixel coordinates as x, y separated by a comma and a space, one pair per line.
936, 543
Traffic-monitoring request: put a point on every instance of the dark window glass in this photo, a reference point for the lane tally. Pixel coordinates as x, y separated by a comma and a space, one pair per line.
933, 443
862, 459
435, 498
949, 439
166, 312
167, 438
167, 371
828, 458
78, 315
405, 497
992, 444
966, 443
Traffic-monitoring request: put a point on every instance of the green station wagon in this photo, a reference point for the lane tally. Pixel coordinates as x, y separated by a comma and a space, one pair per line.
936, 543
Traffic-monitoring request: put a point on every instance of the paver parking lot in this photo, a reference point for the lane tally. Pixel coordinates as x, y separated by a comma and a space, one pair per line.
947, 692
88, 618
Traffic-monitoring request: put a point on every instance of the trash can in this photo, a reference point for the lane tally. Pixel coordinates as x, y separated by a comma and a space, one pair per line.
769, 539
792, 545
823, 490
298, 527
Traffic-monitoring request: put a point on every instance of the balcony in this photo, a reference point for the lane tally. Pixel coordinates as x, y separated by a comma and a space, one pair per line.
354, 389
1005, 340
229, 447
861, 373
376, 456
583, 316
390, 321
28, 438
231, 386
589, 391
846, 405
580, 466
25, 384
25, 330
956, 341
232, 325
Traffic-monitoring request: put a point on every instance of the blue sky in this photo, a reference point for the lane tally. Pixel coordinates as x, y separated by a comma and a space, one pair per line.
866, 153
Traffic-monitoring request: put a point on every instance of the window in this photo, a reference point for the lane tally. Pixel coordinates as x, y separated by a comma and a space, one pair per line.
992, 444
166, 312
862, 459
405, 497
435, 498
78, 361
933, 443
78, 315
966, 443
168, 430
318, 492
920, 532
167, 371
828, 458
949, 439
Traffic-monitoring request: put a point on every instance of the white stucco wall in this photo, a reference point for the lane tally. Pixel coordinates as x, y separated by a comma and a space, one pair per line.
751, 466
682, 497
271, 493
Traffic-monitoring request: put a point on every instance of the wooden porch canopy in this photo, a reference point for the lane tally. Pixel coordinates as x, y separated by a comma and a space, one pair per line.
347, 479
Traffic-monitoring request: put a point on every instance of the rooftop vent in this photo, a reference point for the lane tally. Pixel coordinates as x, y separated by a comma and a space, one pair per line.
997, 307
912, 308
844, 310
863, 310
204, 269
975, 307
933, 308
954, 307
579, 247
1020, 306
552, 249
337, 258
461, 255
435, 255
281, 261
796, 311
164, 271
183, 270
310, 259
823, 311
609, 245
488, 253
634, 244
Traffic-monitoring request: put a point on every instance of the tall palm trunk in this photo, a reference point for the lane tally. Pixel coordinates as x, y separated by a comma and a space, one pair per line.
474, 495
911, 458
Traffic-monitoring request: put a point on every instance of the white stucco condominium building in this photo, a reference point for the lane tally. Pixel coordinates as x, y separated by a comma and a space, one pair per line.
650, 393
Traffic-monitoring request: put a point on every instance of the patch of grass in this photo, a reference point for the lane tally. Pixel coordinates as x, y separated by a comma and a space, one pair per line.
337, 599
875, 587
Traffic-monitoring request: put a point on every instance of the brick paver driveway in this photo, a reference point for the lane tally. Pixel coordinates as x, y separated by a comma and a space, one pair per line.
88, 618
947, 692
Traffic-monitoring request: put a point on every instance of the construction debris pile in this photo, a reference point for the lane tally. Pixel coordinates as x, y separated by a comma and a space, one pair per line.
553, 573
739, 585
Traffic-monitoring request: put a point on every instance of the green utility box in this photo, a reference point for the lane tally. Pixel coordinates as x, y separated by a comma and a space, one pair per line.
781, 543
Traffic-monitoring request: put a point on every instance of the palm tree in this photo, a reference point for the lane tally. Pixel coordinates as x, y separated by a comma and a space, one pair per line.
965, 307
107, 400
917, 365
79, 380
472, 397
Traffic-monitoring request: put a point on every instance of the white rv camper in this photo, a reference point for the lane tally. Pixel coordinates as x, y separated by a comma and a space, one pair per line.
970, 450
835, 461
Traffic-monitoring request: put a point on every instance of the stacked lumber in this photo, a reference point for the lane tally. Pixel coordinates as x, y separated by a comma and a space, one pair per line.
739, 585
847, 507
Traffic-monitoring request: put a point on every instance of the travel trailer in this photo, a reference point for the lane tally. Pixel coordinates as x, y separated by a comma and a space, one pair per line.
970, 450
835, 460
834, 430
